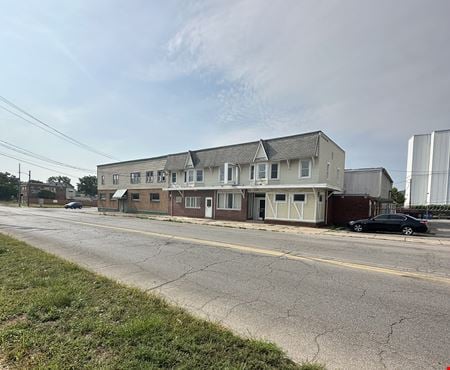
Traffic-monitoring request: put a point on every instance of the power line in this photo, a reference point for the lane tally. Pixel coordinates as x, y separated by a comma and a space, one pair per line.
40, 157
38, 165
49, 129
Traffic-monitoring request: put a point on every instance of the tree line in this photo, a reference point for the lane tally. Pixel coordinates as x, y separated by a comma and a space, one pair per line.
9, 185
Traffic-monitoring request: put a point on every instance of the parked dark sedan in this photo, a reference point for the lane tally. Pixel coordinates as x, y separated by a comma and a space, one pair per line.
398, 222
73, 205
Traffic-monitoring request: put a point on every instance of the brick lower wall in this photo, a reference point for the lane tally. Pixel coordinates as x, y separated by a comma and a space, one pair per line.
179, 209
233, 215
143, 205
344, 208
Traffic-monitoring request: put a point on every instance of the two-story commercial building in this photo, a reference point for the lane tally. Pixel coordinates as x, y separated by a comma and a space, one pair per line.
133, 186
287, 179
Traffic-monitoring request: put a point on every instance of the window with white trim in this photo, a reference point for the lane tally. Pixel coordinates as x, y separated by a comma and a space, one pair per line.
274, 171
174, 177
230, 175
305, 168
103, 179
280, 197
135, 178
149, 176
199, 175
221, 174
252, 172
192, 202
161, 176
189, 176
299, 197
115, 179
231, 201
262, 171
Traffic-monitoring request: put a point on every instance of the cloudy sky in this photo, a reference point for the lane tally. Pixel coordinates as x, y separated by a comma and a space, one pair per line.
143, 78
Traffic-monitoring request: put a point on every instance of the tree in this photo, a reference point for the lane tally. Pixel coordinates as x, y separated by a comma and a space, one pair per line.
397, 196
8, 186
88, 185
60, 179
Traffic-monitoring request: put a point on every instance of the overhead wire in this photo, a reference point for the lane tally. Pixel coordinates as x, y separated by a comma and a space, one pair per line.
48, 128
38, 165
33, 155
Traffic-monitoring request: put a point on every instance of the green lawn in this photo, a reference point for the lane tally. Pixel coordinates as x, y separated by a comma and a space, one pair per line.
54, 314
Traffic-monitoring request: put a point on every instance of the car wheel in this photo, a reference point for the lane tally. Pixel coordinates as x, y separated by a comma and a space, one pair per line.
407, 230
357, 228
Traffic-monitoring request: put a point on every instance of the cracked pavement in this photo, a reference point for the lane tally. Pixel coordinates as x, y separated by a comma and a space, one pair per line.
343, 317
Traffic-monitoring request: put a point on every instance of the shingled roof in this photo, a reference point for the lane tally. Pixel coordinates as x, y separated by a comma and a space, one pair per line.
283, 148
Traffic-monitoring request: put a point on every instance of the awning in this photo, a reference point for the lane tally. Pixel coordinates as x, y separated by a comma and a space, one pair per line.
119, 194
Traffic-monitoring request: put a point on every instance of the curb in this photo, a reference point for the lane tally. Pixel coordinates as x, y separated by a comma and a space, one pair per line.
295, 230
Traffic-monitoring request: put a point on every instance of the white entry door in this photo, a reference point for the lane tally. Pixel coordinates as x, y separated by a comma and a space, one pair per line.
208, 207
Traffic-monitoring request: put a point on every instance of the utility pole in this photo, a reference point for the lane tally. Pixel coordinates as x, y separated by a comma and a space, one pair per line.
28, 188
18, 193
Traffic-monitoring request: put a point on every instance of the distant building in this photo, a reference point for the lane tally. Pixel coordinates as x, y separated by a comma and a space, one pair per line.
52, 192
367, 193
427, 170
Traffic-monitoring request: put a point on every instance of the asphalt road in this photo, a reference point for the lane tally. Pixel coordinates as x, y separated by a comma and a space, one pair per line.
347, 302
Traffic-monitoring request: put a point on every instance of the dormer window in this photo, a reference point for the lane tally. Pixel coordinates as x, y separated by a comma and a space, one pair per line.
230, 174
190, 176
262, 171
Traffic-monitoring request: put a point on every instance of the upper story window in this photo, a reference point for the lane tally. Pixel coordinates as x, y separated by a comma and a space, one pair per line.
199, 175
221, 174
305, 168
328, 170
174, 177
252, 172
190, 176
115, 179
135, 178
103, 180
161, 176
149, 176
262, 171
338, 174
230, 174
274, 171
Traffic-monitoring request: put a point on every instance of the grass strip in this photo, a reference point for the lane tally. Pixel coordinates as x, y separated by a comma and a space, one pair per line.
54, 314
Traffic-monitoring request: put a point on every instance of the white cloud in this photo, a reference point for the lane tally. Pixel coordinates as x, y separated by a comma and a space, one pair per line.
379, 70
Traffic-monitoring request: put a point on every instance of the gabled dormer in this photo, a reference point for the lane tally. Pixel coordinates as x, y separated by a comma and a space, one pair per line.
189, 160
261, 152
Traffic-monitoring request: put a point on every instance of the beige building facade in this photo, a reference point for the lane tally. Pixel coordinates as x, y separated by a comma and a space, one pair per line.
286, 179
